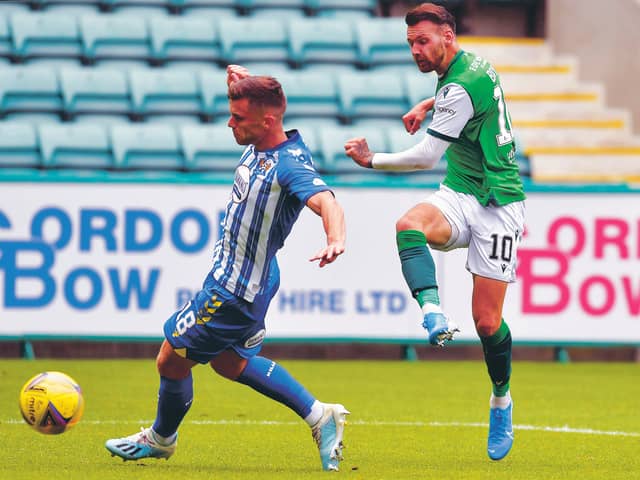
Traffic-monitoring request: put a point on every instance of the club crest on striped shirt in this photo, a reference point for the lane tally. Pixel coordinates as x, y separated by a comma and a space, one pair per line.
240, 189
264, 165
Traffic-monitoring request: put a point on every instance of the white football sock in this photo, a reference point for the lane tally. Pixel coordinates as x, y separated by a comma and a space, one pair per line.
500, 402
316, 413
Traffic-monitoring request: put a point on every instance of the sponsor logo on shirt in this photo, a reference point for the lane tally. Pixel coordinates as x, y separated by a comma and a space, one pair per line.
240, 189
448, 110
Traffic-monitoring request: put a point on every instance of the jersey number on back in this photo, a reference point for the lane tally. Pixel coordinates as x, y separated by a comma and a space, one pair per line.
504, 137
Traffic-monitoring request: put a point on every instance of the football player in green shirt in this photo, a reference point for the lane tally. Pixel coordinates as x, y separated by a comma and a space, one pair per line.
479, 206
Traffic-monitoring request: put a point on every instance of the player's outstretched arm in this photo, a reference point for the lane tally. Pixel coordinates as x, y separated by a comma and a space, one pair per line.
325, 205
413, 118
358, 149
235, 73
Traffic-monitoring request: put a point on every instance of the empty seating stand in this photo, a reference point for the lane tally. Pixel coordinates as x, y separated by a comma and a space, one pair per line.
19, 146
146, 147
77, 146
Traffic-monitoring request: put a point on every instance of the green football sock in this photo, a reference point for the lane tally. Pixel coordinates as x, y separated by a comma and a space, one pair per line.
497, 356
418, 267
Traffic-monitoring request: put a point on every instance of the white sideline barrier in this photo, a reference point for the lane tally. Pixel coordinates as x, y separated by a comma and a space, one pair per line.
578, 276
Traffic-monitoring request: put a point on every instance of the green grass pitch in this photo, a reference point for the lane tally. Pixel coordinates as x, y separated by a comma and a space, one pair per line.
410, 420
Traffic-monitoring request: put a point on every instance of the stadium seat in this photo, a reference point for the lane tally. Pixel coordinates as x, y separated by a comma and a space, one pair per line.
322, 40
77, 146
6, 44
209, 9
353, 9
15, 6
95, 91
332, 140
18, 145
29, 90
310, 95
213, 89
274, 8
164, 91
420, 86
210, 148
67, 7
371, 95
184, 39
383, 41
142, 8
146, 147
253, 40
45, 35
109, 37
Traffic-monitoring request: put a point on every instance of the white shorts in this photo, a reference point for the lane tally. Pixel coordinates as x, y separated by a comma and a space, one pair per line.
491, 233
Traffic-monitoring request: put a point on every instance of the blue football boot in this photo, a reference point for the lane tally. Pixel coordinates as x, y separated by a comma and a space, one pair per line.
500, 432
439, 328
327, 434
140, 445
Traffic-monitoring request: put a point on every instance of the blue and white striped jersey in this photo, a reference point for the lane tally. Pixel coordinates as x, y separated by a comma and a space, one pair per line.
269, 191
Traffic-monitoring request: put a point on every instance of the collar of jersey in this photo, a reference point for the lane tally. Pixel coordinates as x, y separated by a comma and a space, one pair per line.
295, 135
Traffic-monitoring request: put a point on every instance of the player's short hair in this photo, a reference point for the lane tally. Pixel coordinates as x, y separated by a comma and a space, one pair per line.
262, 91
432, 13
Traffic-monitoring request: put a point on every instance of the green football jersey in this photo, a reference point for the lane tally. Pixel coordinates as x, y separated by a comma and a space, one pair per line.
470, 112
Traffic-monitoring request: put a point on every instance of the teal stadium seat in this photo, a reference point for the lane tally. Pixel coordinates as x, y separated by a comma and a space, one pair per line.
45, 35
95, 91
18, 146
332, 140
310, 95
15, 6
352, 9
383, 41
143, 8
370, 95
6, 43
76, 146
274, 8
420, 86
322, 41
146, 147
115, 37
29, 90
209, 9
253, 40
213, 90
68, 7
163, 91
210, 148
184, 39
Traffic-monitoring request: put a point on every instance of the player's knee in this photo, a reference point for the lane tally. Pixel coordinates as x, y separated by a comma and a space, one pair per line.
486, 324
228, 364
406, 223
170, 364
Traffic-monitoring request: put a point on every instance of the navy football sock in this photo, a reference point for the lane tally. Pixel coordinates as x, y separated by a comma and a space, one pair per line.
270, 379
174, 400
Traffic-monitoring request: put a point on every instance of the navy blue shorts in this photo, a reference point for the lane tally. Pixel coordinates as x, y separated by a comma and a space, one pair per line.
215, 320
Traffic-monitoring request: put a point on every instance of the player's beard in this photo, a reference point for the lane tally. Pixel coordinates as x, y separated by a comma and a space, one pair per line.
426, 65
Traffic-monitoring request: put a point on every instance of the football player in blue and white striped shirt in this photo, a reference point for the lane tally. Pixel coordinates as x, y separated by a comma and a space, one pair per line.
223, 324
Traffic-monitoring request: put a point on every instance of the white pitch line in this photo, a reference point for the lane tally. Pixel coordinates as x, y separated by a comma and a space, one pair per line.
364, 423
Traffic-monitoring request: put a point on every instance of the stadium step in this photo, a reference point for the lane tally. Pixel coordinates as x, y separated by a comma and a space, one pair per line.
604, 163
